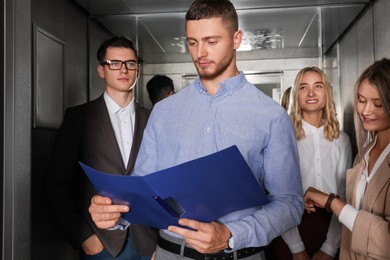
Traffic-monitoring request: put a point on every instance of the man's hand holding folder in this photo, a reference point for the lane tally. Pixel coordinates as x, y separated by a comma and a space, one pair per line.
104, 213
186, 199
198, 234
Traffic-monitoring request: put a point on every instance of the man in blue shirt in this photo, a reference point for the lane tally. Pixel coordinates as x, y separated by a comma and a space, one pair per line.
219, 109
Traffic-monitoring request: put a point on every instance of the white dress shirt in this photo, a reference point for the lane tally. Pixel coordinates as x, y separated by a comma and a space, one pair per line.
323, 165
349, 212
122, 121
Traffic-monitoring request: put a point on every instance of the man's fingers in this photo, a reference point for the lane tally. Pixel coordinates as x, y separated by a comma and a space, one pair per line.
100, 204
100, 200
187, 233
106, 224
107, 209
106, 216
103, 213
195, 225
177, 230
203, 237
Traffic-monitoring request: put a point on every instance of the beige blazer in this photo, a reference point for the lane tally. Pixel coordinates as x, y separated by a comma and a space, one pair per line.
370, 236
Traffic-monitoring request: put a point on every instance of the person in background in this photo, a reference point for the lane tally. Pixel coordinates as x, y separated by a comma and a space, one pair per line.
160, 87
325, 153
286, 98
105, 134
365, 214
220, 109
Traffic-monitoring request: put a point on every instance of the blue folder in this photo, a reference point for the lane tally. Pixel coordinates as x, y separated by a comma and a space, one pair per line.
203, 189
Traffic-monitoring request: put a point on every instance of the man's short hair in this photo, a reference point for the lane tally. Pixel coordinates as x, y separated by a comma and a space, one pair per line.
206, 9
115, 42
159, 87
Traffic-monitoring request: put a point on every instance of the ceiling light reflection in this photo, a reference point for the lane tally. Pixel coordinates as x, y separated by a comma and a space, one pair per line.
261, 39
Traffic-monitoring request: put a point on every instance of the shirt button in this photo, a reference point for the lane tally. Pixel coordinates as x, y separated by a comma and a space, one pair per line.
208, 130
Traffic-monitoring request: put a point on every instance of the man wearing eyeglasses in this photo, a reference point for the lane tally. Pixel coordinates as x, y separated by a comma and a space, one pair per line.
105, 134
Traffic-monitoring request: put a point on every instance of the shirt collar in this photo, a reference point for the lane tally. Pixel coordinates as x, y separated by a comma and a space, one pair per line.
229, 85
310, 128
114, 108
382, 158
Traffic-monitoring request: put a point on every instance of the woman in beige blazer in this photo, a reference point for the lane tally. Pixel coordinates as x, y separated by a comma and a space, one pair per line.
366, 213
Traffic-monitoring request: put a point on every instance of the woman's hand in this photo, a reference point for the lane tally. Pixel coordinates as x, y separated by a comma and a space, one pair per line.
316, 198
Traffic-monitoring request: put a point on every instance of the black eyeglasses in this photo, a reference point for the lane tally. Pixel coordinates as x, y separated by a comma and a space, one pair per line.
117, 64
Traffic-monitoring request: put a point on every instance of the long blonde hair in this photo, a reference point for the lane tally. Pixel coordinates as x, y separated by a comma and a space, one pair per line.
331, 124
378, 75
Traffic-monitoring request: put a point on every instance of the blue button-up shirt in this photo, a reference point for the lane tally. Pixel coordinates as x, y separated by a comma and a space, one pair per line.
192, 124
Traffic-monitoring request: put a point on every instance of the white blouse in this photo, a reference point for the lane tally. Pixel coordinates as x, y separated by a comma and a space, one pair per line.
349, 212
323, 165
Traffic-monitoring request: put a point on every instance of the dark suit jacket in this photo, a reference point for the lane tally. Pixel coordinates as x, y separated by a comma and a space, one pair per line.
86, 135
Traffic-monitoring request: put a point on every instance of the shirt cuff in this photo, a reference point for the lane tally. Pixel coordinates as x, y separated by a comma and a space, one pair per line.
293, 240
296, 248
348, 215
230, 249
328, 249
123, 224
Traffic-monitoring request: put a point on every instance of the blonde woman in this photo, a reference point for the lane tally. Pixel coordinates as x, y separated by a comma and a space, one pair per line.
324, 155
366, 213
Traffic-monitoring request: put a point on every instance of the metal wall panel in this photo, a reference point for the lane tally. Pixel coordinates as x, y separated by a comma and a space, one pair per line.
382, 31
96, 35
49, 79
48, 240
348, 73
356, 52
76, 55
17, 127
365, 41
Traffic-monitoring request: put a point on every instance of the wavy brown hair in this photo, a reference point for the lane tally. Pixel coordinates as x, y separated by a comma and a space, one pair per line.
378, 75
331, 124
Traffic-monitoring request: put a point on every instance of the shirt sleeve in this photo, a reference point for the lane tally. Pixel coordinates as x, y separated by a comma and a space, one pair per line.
348, 215
332, 242
370, 235
293, 240
282, 181
333, 237
147, 156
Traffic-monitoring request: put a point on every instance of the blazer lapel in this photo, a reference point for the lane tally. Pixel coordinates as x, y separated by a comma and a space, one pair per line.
376, 185
107, 136
141, 118
352, 180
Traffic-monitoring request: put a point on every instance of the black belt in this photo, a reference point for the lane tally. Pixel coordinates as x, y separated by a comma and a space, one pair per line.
192, 253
